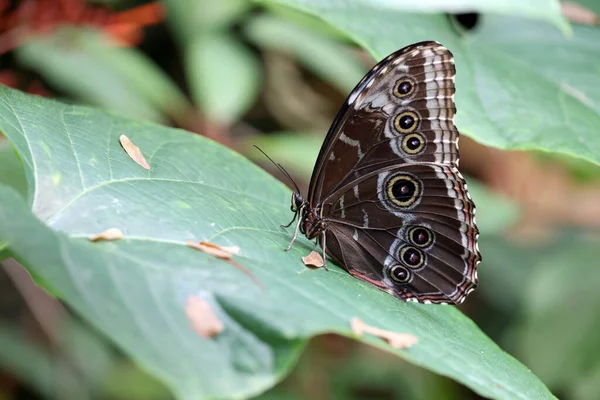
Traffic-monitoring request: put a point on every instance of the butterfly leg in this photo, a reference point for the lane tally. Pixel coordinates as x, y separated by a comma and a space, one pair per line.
323, 248
291, 222
295, 234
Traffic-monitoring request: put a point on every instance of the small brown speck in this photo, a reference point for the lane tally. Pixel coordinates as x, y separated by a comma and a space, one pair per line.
395, 339
202, 317
109, 234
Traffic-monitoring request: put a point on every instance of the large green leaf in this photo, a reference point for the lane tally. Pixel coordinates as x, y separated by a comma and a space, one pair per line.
135, 289
548, 10
520, 84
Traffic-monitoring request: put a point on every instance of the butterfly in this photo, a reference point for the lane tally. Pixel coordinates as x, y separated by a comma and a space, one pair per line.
386, 200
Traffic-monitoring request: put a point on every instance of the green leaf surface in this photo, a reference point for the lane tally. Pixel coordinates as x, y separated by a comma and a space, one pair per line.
538, 330
11, 169
588, 385
323, 56
552, 317
188, 18
310, 22
547, 10
61, 369
224, 76
84, 64
521, 84
296, 151
64, 370
508, 267
34, 364
539, 315
135, 290
495, 213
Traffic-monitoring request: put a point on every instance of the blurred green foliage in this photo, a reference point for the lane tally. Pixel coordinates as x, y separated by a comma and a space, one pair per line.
526, 80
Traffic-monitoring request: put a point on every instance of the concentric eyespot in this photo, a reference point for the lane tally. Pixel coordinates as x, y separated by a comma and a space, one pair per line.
413, 143
406, 121
420, 237
404, 87
412, 257
399, 274
403, 190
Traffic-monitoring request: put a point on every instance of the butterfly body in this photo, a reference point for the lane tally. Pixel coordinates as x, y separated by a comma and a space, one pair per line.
386, 200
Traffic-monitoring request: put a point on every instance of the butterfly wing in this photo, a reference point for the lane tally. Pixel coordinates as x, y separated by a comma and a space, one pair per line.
386, 181
408, 229
400, 112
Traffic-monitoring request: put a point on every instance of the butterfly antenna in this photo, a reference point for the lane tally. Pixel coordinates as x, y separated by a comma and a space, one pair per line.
280, 168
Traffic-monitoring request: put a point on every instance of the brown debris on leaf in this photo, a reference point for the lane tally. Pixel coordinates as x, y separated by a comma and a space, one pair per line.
133, 151
224, 253
202, 317
109, 234
577, 13
396, 340
313, 260
212, 249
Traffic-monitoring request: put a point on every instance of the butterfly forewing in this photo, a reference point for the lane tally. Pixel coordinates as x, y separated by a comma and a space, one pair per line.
400, 112
386, 196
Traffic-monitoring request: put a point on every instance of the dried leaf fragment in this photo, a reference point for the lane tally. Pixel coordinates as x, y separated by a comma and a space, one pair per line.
395, 339
109, 234
313, 260
212, 249
202, 317
578, 13
228, 251
223, 253
133, 151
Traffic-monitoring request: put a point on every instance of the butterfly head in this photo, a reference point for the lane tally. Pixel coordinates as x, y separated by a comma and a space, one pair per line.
310, 222
297, 202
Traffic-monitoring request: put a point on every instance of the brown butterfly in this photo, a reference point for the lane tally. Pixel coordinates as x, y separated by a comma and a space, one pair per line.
386, 200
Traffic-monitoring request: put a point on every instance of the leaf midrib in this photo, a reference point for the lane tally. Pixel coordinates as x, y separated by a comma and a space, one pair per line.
52, 219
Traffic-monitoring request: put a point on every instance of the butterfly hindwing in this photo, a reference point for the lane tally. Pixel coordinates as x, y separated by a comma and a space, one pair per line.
410, 228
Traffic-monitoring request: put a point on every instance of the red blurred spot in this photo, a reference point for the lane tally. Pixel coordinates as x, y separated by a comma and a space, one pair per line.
41, 17
9, 78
